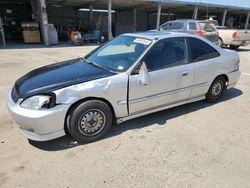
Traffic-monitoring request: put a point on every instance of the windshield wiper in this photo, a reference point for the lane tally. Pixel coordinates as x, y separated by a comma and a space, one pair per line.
96, 65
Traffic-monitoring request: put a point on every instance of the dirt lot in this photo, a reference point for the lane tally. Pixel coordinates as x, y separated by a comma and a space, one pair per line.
194, 145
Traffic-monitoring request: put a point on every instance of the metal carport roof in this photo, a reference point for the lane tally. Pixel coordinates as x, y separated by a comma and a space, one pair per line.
229, 4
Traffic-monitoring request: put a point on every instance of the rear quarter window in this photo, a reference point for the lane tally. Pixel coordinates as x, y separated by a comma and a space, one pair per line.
208, 27
200, 50
192, 26
201, 25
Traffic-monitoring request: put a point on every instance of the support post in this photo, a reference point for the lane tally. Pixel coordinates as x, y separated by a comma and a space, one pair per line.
110, 35
158, 19
34, 10
247, 21
135, 22
169, 15
43, 21
224, 17
195, 13
91, 17
2, 33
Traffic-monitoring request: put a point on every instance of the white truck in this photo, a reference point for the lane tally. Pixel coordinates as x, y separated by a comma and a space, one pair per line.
234, 38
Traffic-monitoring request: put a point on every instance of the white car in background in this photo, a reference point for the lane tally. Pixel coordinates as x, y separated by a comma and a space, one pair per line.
130, 76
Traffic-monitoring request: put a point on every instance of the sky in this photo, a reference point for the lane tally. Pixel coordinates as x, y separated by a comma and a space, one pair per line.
238, 3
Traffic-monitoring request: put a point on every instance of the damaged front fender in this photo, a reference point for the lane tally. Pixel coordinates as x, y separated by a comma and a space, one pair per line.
112, 89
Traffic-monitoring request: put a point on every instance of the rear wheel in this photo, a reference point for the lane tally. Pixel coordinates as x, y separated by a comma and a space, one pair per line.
89, 121
234, 47
216, 89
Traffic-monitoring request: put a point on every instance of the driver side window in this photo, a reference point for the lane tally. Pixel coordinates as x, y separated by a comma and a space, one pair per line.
167, 53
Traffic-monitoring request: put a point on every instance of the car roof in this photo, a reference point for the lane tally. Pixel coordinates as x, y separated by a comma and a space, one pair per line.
152, 35
188, 20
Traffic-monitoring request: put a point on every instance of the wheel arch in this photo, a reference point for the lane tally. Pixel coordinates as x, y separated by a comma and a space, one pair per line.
76, 103
223, 75
222, 42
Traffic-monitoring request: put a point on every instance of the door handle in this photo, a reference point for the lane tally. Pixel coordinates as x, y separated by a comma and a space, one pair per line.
184, 73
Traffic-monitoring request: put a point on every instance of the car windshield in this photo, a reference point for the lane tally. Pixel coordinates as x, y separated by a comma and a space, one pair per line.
173, 26
119, 54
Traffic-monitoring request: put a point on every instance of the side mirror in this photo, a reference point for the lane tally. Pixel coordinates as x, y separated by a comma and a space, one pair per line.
143, 74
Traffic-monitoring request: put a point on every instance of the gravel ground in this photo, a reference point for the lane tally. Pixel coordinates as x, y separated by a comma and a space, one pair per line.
194, 145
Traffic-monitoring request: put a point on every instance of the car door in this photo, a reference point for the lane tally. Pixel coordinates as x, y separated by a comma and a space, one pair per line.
170, 77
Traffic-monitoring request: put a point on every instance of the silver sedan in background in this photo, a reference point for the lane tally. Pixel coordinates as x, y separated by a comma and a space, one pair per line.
204, 28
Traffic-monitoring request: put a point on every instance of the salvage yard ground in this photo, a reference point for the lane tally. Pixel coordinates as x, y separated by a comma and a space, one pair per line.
194, 145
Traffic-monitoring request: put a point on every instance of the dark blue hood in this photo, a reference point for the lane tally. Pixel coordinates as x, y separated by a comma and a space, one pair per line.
56, 76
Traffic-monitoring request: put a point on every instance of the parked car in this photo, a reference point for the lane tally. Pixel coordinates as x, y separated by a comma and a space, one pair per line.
130, 76
234, 38
202, 28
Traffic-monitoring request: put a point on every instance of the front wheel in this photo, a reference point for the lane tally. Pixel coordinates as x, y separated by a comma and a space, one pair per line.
216, 89
90, 120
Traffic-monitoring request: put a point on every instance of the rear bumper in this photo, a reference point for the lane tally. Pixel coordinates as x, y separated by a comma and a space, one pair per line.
39, 125
239, 43
233, 78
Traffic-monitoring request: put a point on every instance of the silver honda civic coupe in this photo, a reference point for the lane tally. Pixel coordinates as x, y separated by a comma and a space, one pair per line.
130, 76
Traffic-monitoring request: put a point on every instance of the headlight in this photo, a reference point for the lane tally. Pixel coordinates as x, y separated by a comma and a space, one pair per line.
37, 102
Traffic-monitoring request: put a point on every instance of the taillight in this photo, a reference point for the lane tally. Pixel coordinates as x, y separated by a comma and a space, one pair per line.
200, 32
234, 35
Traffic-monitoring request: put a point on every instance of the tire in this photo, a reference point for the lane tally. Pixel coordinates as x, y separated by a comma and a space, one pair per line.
216, 89
220, 42
89, 121
234, 47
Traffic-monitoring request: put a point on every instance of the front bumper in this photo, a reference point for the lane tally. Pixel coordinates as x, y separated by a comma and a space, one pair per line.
39, 125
